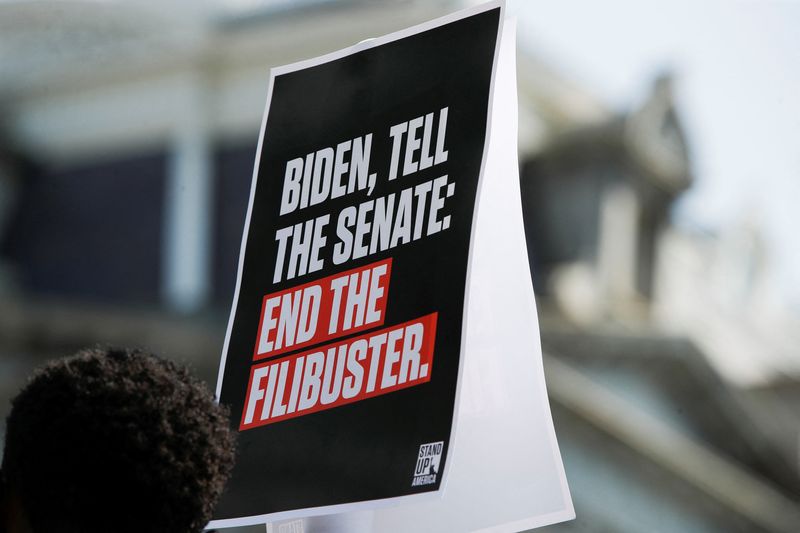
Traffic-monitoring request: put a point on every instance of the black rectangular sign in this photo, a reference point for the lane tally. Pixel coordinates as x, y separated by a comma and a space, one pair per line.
342, 358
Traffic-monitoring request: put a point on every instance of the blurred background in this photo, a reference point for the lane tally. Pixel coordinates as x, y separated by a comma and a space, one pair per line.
660, 174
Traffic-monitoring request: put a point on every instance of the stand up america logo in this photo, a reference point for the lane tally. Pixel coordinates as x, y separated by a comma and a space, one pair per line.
427, 463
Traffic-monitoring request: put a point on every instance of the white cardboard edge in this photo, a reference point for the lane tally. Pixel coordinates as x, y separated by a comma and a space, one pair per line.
568, 512
531, 523
277, 71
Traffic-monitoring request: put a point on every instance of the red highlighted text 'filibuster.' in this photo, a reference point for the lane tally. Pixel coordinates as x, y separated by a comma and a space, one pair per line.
355, 369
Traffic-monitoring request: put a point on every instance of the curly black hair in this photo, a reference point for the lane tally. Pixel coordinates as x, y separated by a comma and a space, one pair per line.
117, 440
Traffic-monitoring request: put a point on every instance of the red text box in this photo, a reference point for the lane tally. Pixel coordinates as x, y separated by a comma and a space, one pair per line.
325, 309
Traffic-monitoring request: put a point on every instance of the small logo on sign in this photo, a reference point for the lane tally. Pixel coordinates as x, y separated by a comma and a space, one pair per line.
427, 463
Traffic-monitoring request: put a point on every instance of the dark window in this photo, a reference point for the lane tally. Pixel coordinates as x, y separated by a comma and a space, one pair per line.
91, 231
234, 171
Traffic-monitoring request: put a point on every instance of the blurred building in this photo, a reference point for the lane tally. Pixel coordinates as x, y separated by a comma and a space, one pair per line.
623, 326
128, 138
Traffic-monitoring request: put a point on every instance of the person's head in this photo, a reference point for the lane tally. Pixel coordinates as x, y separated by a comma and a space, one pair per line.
113, 440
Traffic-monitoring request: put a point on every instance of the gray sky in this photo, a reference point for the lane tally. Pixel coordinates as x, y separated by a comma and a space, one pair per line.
738, 91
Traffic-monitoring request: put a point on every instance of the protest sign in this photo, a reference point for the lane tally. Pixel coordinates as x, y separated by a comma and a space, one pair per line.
343, 353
